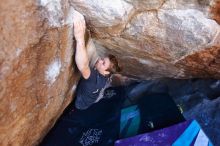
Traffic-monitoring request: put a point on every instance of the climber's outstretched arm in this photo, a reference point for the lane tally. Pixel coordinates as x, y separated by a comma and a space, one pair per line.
81, 56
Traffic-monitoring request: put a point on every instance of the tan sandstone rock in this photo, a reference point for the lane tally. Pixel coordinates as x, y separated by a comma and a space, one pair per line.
156, 38
36, 69
152, 39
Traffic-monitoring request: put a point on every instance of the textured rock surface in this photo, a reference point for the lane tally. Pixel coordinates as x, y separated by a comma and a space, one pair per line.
36, 71
161, 38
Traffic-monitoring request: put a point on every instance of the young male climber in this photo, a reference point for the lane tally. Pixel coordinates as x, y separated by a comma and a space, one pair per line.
94, 80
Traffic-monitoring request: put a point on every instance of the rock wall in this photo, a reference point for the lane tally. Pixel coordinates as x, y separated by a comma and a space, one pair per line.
36, 68
152, 39
158, 38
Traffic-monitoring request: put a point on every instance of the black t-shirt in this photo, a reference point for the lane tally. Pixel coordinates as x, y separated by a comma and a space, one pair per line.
98, 125
88, 89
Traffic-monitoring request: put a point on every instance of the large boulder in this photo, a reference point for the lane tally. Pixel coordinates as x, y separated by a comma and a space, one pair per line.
176, 39
36, 72
152, 39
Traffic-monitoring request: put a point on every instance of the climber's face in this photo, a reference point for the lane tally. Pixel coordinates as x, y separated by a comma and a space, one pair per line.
102, 65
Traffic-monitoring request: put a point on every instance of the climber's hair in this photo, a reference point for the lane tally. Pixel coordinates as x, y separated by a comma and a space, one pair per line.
114, 67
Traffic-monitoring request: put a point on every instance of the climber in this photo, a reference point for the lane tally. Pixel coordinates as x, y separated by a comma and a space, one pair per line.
95, 79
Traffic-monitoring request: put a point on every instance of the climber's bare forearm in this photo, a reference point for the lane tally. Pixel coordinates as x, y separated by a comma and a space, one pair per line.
81, 56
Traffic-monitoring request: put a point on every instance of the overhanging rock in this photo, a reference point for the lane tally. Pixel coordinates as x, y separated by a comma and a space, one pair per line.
153, 39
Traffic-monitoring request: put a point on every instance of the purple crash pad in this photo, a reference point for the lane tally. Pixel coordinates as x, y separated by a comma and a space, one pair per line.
162, 137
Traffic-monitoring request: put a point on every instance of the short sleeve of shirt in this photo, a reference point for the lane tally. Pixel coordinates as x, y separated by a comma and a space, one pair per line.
92, 76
